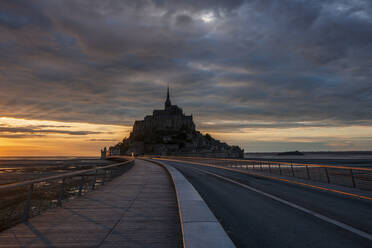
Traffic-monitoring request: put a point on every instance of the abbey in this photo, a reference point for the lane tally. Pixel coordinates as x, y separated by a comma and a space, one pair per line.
170, 132
170, 119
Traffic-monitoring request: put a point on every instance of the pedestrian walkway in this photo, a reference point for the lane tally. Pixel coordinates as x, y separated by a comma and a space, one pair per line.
137, 209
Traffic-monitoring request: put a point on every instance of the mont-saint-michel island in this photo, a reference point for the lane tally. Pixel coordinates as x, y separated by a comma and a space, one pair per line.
170, 131
185, 124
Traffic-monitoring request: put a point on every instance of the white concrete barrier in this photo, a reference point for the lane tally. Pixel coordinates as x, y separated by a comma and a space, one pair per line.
200, 228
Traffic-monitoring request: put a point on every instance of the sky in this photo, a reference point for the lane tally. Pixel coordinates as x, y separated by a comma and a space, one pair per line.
267, 75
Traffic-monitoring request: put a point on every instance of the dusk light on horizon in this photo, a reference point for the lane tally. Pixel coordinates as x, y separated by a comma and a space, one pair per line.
186, 124
268, 76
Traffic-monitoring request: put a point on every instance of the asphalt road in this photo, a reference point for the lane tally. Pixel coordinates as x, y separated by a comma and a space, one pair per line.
253, 219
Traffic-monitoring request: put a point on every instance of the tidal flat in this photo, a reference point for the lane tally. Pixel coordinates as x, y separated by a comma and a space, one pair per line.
44, 195
18, 169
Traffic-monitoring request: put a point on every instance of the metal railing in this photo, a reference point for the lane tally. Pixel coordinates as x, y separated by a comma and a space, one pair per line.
356, 177
22, 200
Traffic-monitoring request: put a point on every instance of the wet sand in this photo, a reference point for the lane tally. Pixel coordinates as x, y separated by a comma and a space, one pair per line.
16, 169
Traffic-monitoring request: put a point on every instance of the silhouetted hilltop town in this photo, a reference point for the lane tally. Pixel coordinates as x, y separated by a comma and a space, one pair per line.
170, 132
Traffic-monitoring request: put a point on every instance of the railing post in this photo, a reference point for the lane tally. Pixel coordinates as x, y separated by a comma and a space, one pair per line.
61, 191
253, 165
352, 178
261, 166
292, 169
280, 169
308, 172
28, 203
94, 180
326, 172
269, 167
111, 173
103, 178
81, 186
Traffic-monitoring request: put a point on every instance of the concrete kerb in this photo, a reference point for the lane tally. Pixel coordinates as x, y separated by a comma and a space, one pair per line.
200, 228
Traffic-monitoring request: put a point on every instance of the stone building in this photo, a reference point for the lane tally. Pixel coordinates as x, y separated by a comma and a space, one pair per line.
169, 119
103, 153
170, 132
114, 150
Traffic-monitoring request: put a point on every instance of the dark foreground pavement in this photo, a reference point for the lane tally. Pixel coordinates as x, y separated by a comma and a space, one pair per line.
255, 220
137, 209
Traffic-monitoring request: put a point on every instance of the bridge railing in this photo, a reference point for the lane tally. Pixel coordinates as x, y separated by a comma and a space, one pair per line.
356, 177
22, 200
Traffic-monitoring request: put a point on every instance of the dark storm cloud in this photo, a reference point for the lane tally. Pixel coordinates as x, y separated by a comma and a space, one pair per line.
237, 127
271, 61
38, 130
20, 136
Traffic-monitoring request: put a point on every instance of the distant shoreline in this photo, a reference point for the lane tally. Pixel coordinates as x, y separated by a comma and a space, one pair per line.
46, 157
315, 152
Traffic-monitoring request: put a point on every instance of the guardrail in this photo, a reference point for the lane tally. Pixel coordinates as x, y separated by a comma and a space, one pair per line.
356, 177
20, 201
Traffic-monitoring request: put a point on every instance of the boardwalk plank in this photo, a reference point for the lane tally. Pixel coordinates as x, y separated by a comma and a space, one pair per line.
138, 209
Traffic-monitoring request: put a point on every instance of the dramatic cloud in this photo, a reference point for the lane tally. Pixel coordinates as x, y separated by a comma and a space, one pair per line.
236, 65
38, 130
22, 137
19, 136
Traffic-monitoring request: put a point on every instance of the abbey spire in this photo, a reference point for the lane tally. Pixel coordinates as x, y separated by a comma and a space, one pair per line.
170, 131
168, 102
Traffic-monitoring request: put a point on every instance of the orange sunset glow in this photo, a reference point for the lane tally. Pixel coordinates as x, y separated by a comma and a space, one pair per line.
21, 137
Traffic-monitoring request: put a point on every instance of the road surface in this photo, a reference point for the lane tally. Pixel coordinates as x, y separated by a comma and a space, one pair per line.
259, 212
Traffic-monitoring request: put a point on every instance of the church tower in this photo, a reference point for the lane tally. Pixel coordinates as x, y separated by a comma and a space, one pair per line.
168, 103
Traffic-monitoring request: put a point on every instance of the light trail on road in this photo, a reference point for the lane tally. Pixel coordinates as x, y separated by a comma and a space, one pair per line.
261, 212
320, 216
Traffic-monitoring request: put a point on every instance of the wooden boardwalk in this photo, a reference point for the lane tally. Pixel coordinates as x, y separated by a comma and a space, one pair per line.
137, 209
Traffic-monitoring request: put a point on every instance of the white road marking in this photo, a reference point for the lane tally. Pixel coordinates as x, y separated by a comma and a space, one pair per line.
320, 216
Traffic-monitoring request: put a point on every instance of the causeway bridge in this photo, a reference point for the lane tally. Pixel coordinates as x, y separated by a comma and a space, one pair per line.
192, 202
